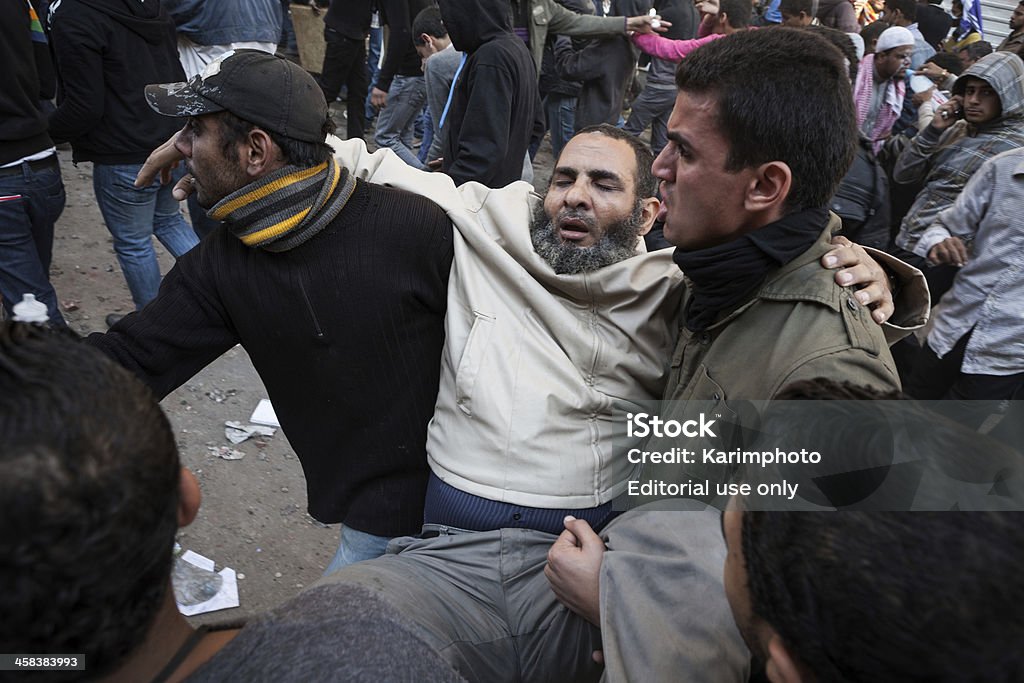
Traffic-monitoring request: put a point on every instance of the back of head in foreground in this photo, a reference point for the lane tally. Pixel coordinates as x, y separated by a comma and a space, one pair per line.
879, 596
89, 477
783, 95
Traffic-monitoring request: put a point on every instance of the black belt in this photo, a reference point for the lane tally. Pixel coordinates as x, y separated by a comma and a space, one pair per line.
37, 165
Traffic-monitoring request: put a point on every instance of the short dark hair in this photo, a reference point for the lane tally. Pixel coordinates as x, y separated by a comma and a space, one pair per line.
297, 152
737, 12
862, 596
872, 31
842, 42
948, 61
89, 477
795, 7
908, 8
645, 182
428, 21
979, 48
783, 95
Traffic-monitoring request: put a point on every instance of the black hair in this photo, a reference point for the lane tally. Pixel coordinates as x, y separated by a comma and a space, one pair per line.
842, 42
296, 152
948, 61
908, 8
428, 21
89, 477
872, 31
737, 12
978, 49
795, 7
783, 95
889, 596
645, 182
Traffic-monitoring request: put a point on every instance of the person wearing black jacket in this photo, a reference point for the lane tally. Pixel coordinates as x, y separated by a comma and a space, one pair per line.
605, 66
106, 52
31, 190
495, 106
559, 94
345, 28
401, 92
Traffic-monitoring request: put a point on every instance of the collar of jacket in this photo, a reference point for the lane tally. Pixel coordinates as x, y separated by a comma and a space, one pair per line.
790, 282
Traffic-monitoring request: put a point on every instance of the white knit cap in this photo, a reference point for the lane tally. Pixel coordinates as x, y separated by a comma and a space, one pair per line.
894, 36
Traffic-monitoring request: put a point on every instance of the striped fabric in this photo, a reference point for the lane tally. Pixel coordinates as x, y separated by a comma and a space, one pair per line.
287, 207
35, 26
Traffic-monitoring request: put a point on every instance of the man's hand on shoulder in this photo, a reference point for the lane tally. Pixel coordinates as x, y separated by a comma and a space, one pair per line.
574, 569
855, 268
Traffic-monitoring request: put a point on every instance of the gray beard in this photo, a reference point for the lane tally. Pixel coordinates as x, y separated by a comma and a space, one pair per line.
617, 244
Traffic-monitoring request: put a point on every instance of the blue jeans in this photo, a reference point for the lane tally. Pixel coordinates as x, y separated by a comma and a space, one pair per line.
26, 234
372, 68
395, 122
133, 216
356, 546
560, 111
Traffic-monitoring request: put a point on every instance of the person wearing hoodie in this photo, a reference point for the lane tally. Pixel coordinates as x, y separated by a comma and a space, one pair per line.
106, 52
984, 117
494, 107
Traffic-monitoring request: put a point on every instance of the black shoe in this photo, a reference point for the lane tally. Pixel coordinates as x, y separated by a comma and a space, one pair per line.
113, 319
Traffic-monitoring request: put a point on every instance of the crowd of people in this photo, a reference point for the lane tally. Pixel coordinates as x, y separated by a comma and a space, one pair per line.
452, 355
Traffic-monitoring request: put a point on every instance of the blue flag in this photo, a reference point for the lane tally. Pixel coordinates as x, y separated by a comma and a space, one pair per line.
971, 20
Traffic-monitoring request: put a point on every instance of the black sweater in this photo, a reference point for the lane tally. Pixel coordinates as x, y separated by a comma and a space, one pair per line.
107, 52
346, 332
28, 78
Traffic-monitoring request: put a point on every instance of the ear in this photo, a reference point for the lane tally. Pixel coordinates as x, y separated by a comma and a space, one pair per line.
769, 188
427, 39
189, 497
261, 154
781, 666
648, 213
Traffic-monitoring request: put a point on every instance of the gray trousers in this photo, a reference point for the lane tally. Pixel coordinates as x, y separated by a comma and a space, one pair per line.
481, 600
652, 108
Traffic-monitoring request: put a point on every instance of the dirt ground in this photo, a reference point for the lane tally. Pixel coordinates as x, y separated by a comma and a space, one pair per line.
253, 517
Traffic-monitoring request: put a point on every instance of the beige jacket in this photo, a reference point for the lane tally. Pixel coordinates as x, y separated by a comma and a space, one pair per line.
538, 369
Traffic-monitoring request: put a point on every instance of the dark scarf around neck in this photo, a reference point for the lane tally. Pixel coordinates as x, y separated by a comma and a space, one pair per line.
725, 275
287, 207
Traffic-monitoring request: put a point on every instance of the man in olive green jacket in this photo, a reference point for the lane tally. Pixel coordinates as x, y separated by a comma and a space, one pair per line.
744, 200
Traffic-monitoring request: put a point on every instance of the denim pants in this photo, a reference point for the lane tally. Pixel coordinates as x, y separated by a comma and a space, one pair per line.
560, 111
395, 122
357, 546
652, 107
133, 216
26, 234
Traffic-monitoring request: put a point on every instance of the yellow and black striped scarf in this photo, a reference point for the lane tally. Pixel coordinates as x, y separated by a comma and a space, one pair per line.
287, 207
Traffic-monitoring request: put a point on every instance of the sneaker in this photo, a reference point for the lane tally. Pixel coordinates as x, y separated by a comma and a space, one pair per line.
113, 319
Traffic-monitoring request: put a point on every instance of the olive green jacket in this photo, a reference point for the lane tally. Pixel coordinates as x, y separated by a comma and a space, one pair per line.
799, 325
